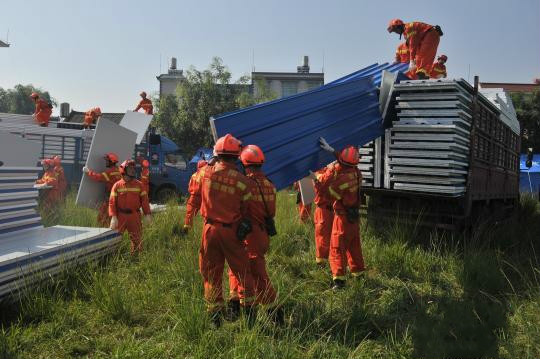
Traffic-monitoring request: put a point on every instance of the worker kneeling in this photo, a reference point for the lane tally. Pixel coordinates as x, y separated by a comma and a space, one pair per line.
127, 198
344, 188
262, 209
225, 193
50, 179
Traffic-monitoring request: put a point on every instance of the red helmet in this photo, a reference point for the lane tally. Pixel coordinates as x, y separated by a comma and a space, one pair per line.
34, 95
111, 157
228, 145
57, 160
145, 163
394, 23
125, 165
143, 94
443, 57
47, 162
201, 164
252, 155
349, 156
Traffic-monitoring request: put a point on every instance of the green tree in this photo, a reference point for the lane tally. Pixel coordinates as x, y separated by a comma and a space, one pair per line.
528, 111
17, 99
184, 116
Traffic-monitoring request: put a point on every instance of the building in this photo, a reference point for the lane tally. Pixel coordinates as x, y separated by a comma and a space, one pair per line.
289, 83
282, 83
513, 87
169, 81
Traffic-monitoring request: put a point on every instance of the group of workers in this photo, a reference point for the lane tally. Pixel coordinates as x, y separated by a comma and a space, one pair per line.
419, 49
43, 110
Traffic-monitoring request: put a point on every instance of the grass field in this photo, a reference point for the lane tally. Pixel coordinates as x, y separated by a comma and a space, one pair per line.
425, 295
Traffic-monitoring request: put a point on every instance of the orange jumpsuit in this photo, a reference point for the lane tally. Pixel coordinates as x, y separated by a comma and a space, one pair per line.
43, 112
110, 176
423, 41
62, 183
304, 211
258, 242
402, 53
145, 178
146, 105
345, 246
324, 214
438, 71
125, 202
52, 195
90, 117
224, 196
194, 201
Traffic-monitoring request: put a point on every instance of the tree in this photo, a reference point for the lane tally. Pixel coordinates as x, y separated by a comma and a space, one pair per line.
17, 100
184, 116
527, 107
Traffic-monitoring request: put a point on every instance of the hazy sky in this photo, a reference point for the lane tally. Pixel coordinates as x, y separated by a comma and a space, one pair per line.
104, 52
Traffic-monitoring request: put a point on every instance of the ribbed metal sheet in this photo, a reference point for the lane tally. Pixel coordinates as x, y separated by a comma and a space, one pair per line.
375, 72
288, 129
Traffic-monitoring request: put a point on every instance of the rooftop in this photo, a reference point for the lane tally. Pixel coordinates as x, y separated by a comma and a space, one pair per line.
512, 87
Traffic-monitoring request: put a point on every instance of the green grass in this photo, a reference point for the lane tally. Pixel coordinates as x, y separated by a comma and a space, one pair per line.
425, 295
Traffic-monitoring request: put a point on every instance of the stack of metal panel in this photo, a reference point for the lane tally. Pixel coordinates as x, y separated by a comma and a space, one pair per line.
370, 163
427, 147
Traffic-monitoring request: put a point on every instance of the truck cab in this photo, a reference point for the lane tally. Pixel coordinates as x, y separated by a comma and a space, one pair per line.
169, 170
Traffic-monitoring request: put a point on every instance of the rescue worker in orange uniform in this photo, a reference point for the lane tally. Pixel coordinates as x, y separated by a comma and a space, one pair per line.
344, 188
110, 176
304, 210
145, 104
225, 193
193, 203
43, 111
145, 175
262, 212
49, 178
402, 53
439, 68
62, 183
324, 214
127, 198
423, 40
91, 116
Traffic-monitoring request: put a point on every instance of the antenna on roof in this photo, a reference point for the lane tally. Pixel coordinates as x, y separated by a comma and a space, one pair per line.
252, 60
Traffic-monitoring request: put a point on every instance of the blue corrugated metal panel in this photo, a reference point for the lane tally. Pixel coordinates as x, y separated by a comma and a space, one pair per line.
288, 129
375, 71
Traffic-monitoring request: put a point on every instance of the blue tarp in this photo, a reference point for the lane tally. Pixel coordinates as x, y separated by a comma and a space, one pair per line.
529, 179
287, 130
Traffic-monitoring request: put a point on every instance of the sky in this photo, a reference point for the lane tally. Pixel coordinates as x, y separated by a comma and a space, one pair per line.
104, 52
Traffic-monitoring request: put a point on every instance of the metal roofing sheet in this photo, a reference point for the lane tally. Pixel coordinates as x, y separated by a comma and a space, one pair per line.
287, 129
374, 71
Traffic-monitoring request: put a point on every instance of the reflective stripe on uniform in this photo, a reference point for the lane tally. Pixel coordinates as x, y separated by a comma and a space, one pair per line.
104, 174
339, 277
344, 185
122, 190
334, 193
247, 300
247, 196
241, 185
143, 193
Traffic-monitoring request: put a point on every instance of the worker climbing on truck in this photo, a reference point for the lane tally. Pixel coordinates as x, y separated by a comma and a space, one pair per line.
402, 53
127, 198
422, 40
110, 176
262, 209
49, 180
43, 111
225, 193
91, 117
344, 188
439, 68
145, 104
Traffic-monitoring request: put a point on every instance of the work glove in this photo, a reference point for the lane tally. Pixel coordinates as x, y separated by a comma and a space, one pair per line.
324, 145
147, 219
85, 169
412, 65
114, 223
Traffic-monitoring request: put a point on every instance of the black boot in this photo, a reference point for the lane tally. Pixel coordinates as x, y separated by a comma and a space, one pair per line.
277, 315
233, 309
338, 284
250, 313
216, 318
421, 76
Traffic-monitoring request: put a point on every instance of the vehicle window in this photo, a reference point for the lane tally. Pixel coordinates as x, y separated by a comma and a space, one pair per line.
175, 160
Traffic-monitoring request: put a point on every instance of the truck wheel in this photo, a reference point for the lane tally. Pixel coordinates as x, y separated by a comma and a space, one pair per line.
165, 194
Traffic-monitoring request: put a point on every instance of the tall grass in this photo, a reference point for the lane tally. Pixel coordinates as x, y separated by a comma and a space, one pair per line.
429, 296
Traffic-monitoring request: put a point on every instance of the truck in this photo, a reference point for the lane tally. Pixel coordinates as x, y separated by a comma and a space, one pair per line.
169, 169
450, 157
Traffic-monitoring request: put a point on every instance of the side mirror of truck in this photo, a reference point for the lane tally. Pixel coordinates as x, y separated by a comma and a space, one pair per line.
529, 161
155, 140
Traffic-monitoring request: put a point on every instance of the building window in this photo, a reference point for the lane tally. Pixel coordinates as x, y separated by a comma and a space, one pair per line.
289, 88
313, 84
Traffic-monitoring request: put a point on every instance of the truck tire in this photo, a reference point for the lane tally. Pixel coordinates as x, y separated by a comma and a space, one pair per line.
165, 194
